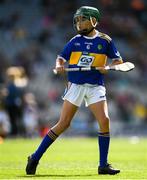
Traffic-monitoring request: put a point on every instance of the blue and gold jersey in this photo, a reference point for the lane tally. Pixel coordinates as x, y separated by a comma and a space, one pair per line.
83, 51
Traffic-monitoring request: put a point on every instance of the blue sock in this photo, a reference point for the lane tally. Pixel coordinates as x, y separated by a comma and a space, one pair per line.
46, 142
103, 139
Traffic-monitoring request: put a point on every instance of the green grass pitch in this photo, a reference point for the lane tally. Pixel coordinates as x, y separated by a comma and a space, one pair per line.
74, 158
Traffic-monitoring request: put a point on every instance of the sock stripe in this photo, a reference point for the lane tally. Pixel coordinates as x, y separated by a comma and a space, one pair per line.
52, 135
106, 134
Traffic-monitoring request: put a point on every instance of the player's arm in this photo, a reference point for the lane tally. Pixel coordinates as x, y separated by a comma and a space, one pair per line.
116, 61
63, 57
113, 54
60, 64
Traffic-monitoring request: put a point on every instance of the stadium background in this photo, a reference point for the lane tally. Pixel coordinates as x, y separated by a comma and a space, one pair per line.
32, 33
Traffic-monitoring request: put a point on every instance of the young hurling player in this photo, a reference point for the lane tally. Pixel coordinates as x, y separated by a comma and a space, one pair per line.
89, 48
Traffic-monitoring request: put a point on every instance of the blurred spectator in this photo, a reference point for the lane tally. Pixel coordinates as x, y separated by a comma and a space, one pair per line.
139, 8
4, 63
30, 115
140, 112
5, 126
44, 117
125, 105
137, 5
13, 99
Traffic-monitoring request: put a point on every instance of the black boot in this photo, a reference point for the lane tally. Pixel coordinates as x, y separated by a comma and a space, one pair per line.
31, 166
108, 169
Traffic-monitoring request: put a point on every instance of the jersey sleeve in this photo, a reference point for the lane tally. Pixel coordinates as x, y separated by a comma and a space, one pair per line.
112, 52
65, 54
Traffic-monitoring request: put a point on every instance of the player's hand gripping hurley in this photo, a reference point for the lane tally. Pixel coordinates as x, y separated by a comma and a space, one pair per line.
124, 67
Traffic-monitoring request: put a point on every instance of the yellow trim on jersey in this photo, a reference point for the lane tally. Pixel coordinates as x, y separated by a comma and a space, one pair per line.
104, 36
99, 59
74, 58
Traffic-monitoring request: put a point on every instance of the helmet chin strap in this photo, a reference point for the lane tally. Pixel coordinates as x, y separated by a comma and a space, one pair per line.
92, 23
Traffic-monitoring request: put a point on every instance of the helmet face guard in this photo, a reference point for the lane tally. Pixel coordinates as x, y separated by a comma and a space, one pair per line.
83, 31
88, 13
